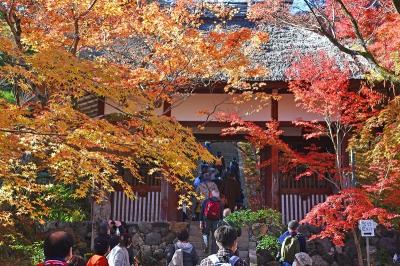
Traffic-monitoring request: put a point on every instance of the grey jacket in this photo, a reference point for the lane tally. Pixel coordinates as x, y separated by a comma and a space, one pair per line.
190, 257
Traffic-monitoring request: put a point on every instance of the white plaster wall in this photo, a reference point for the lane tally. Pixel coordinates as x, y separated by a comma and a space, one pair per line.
108, 107
288, 111
188, 110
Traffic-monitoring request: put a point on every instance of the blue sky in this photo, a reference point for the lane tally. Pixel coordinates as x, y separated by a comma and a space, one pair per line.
299, 5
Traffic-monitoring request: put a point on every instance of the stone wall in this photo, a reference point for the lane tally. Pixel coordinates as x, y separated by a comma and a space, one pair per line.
149, 239
382, 248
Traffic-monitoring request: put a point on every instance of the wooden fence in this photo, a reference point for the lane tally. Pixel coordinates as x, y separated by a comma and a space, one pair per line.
298, 197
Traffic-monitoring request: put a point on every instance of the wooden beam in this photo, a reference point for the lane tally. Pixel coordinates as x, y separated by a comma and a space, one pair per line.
275, 193
215, 123
218, 137
307, 191
268, 86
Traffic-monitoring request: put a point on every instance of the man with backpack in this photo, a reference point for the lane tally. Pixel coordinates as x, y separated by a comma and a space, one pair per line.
182, 253
211, 214
292, 242
226, 237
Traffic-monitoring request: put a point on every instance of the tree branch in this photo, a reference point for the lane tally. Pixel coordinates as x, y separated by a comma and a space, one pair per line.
14, 23
89, 9
366, 53
74, 47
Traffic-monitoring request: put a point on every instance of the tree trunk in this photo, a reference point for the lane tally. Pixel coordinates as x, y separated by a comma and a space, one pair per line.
358, 247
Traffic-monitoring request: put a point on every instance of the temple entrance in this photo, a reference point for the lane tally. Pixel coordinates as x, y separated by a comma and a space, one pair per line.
226, 172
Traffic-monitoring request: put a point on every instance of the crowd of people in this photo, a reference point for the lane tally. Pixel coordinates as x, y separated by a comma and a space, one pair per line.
220, 178
221, 193
112, 247
220, 188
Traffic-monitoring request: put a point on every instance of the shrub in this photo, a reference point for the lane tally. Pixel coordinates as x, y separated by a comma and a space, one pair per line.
247, 217
269, 243
32, 251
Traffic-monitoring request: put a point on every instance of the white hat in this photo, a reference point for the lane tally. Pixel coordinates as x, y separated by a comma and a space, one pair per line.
302, 259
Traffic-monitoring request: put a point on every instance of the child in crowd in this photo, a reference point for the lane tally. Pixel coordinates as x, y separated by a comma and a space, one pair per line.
101, 248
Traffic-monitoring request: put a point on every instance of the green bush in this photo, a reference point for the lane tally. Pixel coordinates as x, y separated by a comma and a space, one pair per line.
64, 206
7, 95
247, 217
269, 243
32, 251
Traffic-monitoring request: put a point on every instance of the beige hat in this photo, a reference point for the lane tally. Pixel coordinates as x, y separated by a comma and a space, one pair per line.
302, 259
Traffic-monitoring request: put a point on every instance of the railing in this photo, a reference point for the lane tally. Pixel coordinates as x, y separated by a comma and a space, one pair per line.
295, 206
146, 207
298, 197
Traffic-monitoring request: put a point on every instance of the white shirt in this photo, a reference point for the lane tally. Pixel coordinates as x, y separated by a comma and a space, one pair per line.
118, 256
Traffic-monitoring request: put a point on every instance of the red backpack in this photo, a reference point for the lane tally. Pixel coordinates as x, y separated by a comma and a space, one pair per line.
213, 210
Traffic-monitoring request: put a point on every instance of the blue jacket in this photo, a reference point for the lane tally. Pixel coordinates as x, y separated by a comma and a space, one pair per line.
197, 182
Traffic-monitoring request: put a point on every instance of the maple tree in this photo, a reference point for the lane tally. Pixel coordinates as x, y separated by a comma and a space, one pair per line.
321, 87
340, 214
134, 54
359, 28
361, 122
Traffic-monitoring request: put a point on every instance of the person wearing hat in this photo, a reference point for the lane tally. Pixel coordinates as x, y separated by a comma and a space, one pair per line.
292, 242
302, 259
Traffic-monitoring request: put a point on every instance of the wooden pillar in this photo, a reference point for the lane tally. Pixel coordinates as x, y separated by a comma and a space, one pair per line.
169, 202
169, 197
265, 154
271, 173
275, 195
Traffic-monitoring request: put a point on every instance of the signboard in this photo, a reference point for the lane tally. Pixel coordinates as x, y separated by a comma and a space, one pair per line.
367, 227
